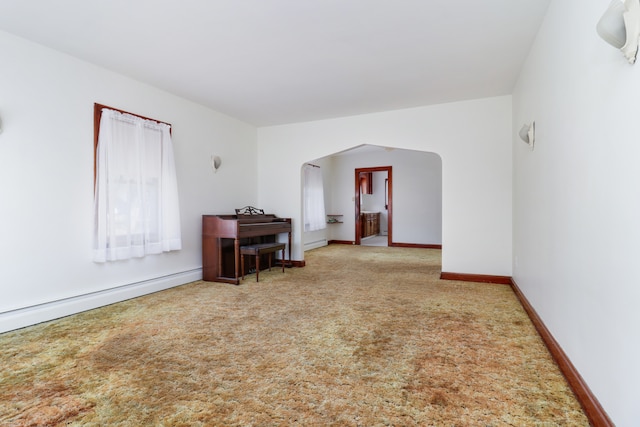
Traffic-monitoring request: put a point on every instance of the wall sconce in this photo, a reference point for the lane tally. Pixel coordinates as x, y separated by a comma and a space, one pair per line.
0, 125
620, 27
216, 161
528, 134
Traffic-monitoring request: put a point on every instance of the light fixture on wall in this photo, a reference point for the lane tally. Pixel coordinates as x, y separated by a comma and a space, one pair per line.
620, 27
216, 161
0, 125
528, 134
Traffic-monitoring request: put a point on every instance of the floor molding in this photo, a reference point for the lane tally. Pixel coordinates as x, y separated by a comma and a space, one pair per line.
393, 244
415, 245
293, 263
482, 278
342, 242
592, 408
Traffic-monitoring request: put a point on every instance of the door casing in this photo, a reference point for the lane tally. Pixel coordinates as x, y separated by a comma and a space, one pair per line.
387, 169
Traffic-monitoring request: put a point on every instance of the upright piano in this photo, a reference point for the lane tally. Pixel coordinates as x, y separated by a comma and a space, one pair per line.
222, 236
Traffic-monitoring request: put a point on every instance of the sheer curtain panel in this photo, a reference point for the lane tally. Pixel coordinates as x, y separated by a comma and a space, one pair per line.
136, 194
313, 199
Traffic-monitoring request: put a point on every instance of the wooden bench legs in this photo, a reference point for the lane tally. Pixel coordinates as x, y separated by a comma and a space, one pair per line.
258, 250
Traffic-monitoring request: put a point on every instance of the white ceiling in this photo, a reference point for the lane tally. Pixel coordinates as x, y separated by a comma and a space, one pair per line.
272, 62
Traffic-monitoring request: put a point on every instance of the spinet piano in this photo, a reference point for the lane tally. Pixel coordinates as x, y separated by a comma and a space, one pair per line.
222, 236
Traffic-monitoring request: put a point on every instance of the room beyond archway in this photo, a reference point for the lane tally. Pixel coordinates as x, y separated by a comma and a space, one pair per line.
416, 198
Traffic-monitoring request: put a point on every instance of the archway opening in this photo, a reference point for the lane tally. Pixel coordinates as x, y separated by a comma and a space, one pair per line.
416, 207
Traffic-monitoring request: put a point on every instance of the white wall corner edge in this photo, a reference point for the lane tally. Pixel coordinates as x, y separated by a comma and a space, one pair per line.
29, 316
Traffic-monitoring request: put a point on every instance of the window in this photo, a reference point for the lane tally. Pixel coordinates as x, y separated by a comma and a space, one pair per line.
313, 199
136, 193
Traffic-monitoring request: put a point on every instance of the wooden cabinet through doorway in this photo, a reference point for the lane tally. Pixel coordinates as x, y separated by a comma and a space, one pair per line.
370, 223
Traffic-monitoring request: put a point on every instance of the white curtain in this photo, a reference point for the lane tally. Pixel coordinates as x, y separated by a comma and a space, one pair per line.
136, 196
313, 199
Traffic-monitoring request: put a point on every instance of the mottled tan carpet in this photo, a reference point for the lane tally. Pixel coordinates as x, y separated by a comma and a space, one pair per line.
362, 336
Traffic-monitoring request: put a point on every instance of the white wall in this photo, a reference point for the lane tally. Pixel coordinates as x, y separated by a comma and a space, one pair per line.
577, 201
473, 138
46, 182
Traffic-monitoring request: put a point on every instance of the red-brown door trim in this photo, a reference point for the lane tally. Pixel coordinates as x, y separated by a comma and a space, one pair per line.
387, 169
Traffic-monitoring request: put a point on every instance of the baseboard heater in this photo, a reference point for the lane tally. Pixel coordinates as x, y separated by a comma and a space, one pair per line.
27, 316
315, 244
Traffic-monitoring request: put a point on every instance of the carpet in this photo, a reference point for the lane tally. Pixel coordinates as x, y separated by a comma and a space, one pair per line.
361, 336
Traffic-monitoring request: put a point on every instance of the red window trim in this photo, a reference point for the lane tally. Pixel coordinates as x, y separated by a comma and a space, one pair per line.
97, 115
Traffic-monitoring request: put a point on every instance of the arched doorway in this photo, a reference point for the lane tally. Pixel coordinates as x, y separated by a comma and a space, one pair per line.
416, 197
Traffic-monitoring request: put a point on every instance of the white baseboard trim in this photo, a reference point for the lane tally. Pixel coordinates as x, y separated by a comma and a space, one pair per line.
316, 244
28, 316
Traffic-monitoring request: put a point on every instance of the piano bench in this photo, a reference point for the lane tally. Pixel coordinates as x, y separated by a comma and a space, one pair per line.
260, 249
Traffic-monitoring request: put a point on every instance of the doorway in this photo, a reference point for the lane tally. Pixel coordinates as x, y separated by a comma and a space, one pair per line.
373, 204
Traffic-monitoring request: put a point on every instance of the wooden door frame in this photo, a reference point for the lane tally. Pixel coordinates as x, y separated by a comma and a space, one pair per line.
387, 169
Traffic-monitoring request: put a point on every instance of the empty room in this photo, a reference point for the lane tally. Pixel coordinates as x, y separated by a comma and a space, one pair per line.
306, 212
